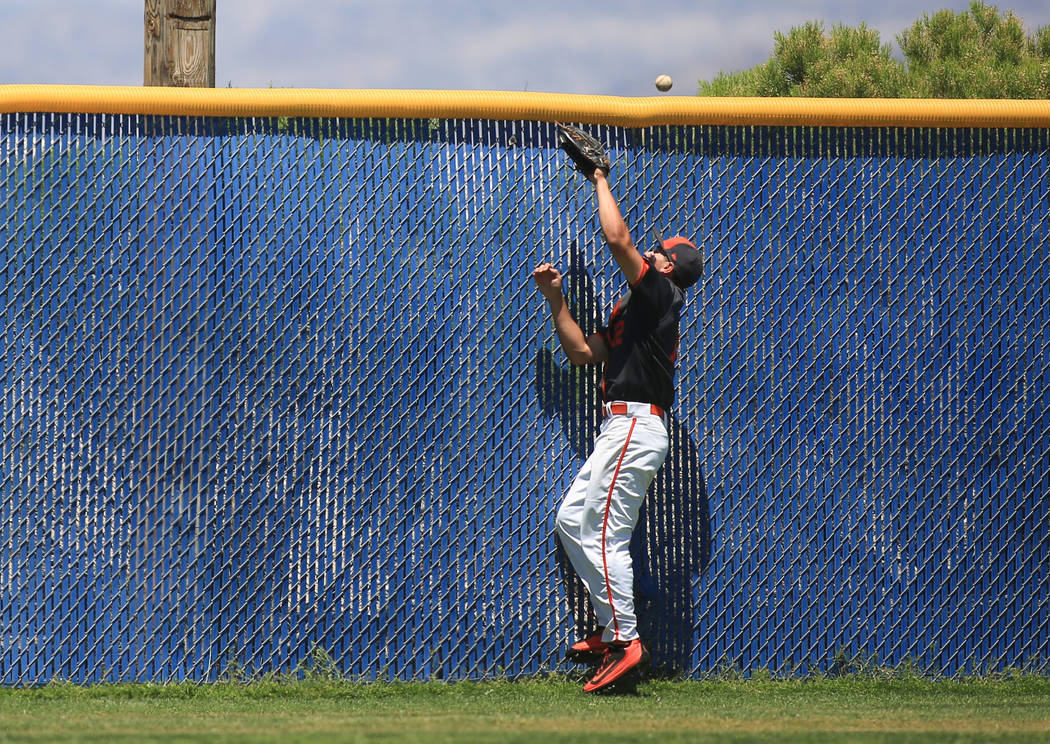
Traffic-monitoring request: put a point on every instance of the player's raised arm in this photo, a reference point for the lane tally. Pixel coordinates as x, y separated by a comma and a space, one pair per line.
578, 348
589, 156
615, 229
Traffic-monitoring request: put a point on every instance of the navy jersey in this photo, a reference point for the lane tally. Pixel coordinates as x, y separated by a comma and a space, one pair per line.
642, 339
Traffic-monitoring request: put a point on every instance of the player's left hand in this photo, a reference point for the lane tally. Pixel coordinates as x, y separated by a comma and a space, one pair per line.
586, 154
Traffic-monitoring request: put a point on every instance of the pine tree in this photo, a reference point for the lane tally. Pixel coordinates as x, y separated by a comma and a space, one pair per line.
977, 53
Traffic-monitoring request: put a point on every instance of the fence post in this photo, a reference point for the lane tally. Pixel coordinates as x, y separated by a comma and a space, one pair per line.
180, 43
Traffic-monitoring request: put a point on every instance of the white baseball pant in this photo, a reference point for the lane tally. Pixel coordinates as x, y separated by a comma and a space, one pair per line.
600, 510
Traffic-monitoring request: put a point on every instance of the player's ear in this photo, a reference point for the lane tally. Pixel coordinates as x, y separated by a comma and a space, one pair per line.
667, 269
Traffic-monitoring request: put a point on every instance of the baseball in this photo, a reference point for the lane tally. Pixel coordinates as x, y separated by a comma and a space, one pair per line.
663, 82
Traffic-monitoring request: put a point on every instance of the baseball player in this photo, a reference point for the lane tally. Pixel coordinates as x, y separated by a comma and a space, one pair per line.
638, 348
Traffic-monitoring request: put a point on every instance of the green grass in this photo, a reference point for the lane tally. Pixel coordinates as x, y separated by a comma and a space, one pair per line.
542, 711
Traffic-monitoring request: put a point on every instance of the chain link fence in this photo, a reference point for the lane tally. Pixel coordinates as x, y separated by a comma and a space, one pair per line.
280, 392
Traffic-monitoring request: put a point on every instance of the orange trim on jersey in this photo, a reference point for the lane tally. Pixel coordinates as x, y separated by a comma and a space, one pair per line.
605, 528
645, 269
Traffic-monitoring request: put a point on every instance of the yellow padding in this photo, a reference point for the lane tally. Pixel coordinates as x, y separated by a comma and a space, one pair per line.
460, 104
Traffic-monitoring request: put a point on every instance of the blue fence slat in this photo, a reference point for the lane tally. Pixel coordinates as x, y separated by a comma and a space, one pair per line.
281, 389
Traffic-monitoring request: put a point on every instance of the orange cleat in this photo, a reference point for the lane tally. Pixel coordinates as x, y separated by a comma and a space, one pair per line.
591, 650
618, 661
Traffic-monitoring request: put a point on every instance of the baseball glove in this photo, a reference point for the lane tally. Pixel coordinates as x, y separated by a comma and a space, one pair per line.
587, 153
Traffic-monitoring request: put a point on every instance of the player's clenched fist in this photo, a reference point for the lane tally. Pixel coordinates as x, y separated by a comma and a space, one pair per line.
548, 279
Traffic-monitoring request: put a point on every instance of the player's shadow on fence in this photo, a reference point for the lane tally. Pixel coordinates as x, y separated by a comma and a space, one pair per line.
672, 542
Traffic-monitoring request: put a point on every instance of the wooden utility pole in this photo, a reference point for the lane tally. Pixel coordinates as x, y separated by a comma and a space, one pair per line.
180, 43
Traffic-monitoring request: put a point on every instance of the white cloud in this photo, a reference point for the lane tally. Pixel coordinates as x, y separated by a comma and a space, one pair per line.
51, 41
617, 54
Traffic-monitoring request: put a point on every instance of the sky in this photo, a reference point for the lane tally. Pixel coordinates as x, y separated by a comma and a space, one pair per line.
612, 47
